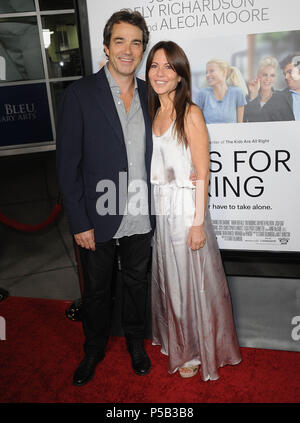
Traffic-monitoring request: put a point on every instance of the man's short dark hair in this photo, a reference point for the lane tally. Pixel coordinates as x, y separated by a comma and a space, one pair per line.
290, 59
128, 16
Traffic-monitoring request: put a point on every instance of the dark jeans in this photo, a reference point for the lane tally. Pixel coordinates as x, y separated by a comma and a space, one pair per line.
98, 269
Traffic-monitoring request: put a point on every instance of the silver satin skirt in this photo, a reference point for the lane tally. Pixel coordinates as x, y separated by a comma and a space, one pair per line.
192, 316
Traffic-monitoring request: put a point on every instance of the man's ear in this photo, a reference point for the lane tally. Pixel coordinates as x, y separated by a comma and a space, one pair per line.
106, 49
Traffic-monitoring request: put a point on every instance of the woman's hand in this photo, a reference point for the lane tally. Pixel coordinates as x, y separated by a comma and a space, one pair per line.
254, 88
193, 177
196, 237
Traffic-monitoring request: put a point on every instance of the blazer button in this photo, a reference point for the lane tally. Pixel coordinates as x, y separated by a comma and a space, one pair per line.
124, 169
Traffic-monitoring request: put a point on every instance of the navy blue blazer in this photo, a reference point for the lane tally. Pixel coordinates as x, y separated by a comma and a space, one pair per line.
90, 148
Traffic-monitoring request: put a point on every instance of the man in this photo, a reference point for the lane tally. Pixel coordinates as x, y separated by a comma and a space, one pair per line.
291, 70
104, 133
283, 105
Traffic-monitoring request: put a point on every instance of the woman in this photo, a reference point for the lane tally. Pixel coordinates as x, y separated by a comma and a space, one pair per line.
264, 103
192, 317
224, 100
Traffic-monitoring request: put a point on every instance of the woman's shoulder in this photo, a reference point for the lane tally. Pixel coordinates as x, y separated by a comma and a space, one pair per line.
279, 99
205, 90
279, 93
194, 114
237, 95
234, 89
203, 95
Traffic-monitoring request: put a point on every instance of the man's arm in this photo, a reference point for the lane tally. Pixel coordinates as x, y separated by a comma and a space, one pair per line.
69, 159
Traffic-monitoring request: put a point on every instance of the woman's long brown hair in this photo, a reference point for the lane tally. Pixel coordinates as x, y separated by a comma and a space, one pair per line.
182, 100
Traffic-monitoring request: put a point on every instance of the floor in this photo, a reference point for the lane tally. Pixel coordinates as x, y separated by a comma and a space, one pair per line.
40, 264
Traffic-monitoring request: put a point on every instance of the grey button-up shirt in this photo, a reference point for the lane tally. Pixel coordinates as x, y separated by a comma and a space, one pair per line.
136, 219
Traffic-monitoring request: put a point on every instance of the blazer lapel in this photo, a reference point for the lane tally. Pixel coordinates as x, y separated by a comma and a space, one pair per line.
289, 99
147, 120
106, 102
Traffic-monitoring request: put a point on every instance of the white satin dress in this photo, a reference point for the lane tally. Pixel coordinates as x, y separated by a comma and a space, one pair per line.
192, 317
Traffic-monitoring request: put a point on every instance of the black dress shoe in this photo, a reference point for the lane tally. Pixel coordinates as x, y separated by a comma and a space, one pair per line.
86, 369
139, 359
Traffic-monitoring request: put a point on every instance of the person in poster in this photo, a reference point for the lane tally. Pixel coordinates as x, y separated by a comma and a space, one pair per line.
224, 100
104, 131
266, 104
291, 69
191, 309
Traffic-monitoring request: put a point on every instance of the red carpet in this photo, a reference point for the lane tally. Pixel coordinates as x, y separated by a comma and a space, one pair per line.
43, 348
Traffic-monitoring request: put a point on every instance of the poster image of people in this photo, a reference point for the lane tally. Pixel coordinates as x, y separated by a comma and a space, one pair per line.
252, 80
266, 88
244, 58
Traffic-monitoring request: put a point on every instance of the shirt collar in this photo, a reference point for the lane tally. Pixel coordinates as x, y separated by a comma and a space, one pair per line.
111, 80
294, 92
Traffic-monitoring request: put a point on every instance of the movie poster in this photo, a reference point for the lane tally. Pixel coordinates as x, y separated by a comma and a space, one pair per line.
255, 129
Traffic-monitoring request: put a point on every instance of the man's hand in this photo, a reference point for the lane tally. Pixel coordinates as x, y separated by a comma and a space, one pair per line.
86, 239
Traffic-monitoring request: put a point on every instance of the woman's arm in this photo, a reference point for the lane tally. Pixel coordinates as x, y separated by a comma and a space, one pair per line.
198, 139
240, 114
